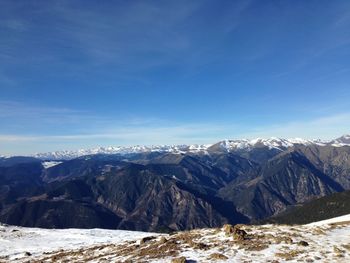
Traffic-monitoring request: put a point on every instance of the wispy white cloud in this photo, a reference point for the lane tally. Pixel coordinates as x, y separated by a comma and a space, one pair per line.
124, 134
10, 108
25, 124
327, 127
135, 134
153, 131
132, 35
18, 116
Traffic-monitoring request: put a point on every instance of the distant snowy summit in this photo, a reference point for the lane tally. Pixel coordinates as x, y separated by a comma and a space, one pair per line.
271, 143
342, 141
64, 155
279, 143
226, 146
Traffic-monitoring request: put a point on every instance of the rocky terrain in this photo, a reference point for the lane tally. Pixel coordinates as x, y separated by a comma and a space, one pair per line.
325, 241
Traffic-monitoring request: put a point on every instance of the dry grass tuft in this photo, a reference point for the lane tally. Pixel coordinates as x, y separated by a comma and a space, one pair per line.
179, 260
217, 256
290, 255
346, 246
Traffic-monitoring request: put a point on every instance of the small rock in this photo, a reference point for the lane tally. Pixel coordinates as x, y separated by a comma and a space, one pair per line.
28, 254
228, 229
199, 245
303, 243
338, 250
146, 239
163, 240
239, 234
179, 260
288, 240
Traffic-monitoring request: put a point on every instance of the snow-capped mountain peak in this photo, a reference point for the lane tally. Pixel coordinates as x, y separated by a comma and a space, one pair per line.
271, 143
226, 145
64, 155
341, 141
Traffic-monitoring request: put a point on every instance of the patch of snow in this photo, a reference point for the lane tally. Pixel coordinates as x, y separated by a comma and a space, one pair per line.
271, 143
50, 164
341, 141
15, 241
339, 219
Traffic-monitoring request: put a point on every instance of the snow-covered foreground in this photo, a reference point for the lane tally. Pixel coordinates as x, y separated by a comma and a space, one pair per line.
325, 241
16, 241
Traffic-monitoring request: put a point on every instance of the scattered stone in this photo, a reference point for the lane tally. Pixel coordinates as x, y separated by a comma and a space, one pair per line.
303, 243
179, 260
28, 254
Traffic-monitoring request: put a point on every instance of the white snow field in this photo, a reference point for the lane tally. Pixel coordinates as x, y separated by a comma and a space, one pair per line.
324, 241
339, 219
16, 241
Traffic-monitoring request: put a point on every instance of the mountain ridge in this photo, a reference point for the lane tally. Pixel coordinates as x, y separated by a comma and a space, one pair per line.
170, 191
275, 143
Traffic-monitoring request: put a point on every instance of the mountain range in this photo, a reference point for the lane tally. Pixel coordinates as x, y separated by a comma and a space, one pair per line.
169, 188
226, 145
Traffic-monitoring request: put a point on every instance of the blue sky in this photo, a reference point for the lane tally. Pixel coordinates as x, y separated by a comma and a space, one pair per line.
80, 74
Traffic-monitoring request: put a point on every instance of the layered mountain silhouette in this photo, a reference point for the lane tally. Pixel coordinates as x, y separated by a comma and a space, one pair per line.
167, 190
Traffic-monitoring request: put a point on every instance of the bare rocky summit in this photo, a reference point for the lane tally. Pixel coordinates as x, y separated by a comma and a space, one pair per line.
327, 241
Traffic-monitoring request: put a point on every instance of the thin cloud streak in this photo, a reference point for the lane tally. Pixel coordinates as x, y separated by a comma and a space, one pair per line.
328, 127
37, 119
132, 133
